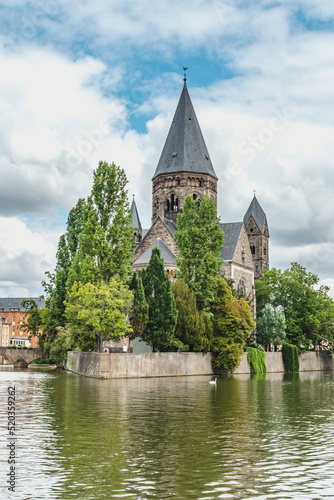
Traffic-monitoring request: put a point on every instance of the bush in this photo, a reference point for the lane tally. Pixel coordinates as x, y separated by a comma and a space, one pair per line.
41, 361
256, 360
228, 357
290, 358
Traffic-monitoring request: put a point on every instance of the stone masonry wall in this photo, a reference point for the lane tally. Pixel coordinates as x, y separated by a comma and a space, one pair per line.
171, 364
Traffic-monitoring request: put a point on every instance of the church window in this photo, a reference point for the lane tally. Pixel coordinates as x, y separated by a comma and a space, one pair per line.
168, 206
194, 196
252, 247
265, 251
251, 230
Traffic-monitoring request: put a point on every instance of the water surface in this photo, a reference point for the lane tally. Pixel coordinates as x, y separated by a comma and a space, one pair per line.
261, 437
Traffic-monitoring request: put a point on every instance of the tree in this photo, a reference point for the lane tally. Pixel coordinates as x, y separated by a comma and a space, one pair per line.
98, 312
56, 288
162, 314
33, 321
270, 328
232, 325
59, 347
199, 240
192, 328
308, 310
138, 315
105, 243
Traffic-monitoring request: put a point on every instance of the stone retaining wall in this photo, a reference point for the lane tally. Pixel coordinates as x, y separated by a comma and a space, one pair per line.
172, 364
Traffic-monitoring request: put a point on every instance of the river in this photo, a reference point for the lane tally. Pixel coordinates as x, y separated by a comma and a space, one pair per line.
260, 437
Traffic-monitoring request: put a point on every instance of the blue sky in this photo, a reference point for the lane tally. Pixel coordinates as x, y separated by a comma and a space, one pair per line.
82, 82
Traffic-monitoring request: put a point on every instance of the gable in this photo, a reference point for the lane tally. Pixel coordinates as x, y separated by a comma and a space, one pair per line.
157, 230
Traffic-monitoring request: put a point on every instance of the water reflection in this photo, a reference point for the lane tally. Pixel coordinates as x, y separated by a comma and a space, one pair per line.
262, 437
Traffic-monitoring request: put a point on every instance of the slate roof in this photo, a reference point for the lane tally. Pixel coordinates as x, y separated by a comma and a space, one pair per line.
9, 304
185, 149
170, 225
231, 237
166, 254
256, 211
135, 221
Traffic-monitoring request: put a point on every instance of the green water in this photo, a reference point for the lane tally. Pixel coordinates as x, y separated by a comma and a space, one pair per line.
261, 437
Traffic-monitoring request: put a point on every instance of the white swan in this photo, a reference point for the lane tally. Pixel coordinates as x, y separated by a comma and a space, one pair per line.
213, 381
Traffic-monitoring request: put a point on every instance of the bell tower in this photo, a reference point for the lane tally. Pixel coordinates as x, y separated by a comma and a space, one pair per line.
256, 224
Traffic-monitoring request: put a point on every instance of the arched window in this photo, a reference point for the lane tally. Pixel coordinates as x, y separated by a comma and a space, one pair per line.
252, 247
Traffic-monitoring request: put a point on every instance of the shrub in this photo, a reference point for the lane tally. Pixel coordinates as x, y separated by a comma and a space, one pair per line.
290, 358
228, 357
256, 360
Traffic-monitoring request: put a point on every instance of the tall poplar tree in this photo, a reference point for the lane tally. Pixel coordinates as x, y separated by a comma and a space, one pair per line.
162, 314
199, 240
106, 243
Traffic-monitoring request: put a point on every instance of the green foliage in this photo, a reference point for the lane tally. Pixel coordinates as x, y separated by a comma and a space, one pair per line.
41, 361
290, 358
256, 360
232, 325
193, 328
105, 244
138, 315
162, 316
270, 328
308, 310
228, 357
98, 312
59, 347
33, 321
199, 240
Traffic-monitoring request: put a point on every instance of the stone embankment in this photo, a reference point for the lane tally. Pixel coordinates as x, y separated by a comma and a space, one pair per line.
172, 364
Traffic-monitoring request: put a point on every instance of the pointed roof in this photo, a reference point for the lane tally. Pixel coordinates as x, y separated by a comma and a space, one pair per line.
231, 236
185, 149
166, 253
135, 221
255, 210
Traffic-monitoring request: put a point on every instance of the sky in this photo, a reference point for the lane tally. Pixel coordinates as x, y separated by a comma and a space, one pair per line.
82, 82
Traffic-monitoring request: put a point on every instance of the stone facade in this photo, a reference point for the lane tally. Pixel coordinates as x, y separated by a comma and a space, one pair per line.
259, 245
169, 192
157, 230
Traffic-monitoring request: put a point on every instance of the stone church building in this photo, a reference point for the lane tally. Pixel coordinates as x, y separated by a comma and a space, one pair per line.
185, 168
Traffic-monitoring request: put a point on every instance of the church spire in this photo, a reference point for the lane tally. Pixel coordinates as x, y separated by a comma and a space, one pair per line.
255, 210
185, 149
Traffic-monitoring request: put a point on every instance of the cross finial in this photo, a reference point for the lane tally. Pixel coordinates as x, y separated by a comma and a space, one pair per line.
185, 75
254, 192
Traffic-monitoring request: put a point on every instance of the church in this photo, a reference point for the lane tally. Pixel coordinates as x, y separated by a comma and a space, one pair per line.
184, 169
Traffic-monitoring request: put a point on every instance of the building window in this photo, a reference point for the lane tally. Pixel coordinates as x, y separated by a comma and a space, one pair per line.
13, 318
252, 247
264, 251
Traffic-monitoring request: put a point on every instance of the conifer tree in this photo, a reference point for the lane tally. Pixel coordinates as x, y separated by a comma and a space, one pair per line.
192, 328
138, 315
162, 315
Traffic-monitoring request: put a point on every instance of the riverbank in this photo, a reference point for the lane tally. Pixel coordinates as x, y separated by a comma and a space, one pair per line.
174, 364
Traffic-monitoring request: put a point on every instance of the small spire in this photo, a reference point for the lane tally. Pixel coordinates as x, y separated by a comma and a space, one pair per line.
253, 192
185, 76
